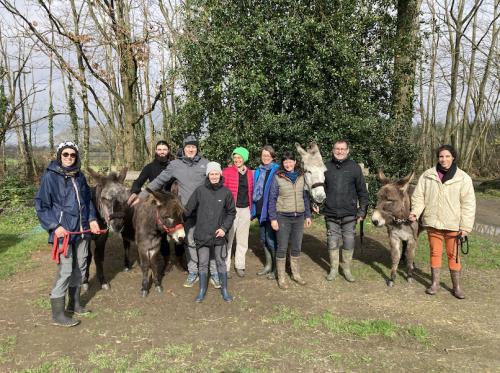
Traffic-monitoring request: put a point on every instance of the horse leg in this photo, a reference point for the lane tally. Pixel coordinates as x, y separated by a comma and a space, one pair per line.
156, 268
410, 255
100, 245
126, 253
143, 257
395, 244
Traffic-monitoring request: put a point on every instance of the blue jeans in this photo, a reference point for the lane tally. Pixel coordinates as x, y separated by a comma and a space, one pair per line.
291, 229
268, 236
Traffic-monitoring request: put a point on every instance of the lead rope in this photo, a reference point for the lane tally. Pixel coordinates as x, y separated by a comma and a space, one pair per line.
461, 246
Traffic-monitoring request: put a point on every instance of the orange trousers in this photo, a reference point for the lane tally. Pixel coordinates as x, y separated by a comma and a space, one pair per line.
436, 238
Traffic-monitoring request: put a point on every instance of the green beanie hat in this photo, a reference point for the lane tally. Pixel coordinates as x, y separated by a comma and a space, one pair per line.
242, 152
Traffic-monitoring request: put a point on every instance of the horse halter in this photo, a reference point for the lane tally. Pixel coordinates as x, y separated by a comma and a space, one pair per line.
316, 185
167, 229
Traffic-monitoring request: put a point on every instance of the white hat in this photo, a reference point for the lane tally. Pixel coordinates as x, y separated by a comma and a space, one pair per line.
213, 167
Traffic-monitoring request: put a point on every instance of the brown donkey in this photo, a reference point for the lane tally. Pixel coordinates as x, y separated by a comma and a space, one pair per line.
392, 211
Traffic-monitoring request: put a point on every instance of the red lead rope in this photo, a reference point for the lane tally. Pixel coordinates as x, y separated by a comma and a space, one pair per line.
165, 228
57, 250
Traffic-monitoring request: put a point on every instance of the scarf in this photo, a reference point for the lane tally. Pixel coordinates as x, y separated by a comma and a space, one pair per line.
258, 190
447, 174
292, 175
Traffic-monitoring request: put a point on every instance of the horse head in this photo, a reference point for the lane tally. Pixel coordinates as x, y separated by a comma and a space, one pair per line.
393, 201
111, 198
314, 171
169, 214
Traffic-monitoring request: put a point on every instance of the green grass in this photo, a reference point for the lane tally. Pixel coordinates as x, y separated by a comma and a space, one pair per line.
6, 346
341, 326
18, 239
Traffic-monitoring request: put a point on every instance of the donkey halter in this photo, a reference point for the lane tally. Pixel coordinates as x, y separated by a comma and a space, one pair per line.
169, 230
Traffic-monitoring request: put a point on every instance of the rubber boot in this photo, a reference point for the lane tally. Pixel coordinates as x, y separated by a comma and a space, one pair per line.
203, 287
433, 289
223, 281
58, 316
457, 290
280, 268
74, 305
272, 275
268, 267
295, 265
334, 264
346, 264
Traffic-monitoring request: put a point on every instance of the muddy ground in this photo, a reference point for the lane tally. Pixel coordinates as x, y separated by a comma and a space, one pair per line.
321, 327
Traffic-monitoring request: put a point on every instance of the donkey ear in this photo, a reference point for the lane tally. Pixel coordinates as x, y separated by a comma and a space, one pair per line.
383, 179
301, 150
95, 175
157, 197
405, 182
122, 175
313, 148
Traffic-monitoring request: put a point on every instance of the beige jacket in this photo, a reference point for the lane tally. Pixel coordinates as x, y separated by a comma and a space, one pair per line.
449, 206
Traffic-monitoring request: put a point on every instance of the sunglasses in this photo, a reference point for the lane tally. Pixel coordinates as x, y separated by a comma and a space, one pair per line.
66, 155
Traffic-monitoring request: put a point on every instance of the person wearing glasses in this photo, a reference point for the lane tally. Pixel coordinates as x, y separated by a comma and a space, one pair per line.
63, 204
346, 204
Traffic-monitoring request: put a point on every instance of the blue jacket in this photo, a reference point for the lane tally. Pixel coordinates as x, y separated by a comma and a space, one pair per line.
56, 202
263, 214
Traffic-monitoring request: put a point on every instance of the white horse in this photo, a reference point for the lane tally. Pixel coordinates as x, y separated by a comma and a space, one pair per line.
314, 172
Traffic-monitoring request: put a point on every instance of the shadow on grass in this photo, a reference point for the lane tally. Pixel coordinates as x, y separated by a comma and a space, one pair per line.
8, 240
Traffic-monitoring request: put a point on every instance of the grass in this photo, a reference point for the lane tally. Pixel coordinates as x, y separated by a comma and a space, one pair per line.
19, 237
341, 326
6, 346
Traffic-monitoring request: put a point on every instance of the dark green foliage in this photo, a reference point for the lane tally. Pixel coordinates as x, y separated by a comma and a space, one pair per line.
288, 71
14, 192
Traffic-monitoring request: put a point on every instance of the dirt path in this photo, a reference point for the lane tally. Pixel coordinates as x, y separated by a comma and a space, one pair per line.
322, 327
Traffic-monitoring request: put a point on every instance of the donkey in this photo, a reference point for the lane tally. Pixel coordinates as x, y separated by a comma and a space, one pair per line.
160, 212
392, 210
110, 200
314, 172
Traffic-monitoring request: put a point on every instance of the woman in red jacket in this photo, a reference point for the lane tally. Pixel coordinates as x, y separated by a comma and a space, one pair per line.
238, 178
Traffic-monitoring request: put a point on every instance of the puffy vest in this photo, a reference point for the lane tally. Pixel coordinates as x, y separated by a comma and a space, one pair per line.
291, 196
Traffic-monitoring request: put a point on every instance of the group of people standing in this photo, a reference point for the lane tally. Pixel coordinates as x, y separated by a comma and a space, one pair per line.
221, 203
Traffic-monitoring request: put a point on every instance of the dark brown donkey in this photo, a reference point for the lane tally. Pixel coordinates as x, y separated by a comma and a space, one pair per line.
160, 212
392, 211
110, 200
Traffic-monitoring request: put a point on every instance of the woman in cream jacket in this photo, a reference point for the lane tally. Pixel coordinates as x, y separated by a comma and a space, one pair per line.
444, 199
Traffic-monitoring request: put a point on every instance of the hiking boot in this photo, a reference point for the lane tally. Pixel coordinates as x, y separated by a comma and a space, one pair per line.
58, 316
280, 268
215, 280
334, 265
240, 272
225, 294
191, 279
268, 267
294, 264
346, 265
203, 287
457, 290
433, 289
74, 305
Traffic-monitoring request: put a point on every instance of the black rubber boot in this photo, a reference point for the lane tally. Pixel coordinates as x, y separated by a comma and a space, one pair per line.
223, 281
74, 305
58, 316
268, 267
203, 287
